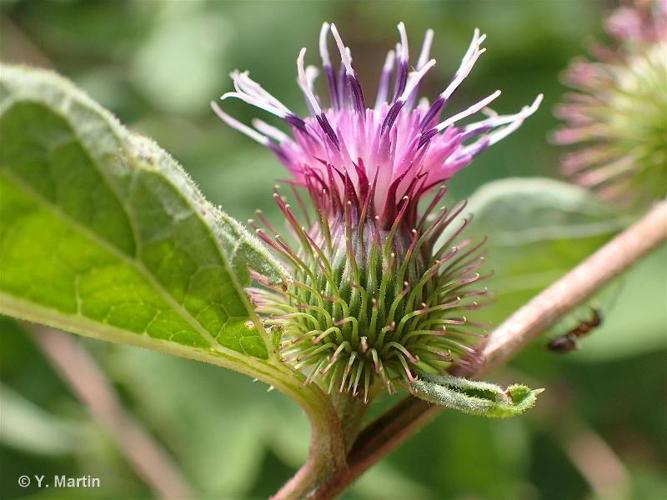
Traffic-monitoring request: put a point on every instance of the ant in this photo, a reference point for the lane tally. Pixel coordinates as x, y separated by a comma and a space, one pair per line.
568, 342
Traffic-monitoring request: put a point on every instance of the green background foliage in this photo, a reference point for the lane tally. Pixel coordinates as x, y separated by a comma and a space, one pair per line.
156, 65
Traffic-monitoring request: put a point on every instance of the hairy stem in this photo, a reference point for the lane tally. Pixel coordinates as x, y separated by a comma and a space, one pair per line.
325, 458
326, 455
402, 421
351, 411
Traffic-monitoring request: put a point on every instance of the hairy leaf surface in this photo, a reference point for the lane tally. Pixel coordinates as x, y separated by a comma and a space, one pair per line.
103, 234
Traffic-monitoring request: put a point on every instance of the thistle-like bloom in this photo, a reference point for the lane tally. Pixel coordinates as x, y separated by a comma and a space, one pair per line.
618, 113
374, 296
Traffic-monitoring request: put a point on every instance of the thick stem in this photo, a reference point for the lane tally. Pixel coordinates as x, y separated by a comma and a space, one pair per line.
337, 431
351, 411
321, 464
399, 423
326, 455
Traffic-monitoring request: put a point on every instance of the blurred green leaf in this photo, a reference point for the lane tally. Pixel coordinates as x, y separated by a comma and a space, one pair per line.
219, 440
27, 427
634, 312
386, 481
103, 234
179, 65
648, 483
537, 229
462, 457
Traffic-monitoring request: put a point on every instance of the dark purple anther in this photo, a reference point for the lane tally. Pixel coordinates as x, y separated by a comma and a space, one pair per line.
357, 94
392, 114
427, 136
432, 113
401, 78
474, 132
333, 86
297, 122
343, 91
326, 126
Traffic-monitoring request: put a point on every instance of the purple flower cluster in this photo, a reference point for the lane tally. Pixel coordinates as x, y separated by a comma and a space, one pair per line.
384, 155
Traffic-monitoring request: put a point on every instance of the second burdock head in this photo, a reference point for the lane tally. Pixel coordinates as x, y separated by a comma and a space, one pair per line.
616, 117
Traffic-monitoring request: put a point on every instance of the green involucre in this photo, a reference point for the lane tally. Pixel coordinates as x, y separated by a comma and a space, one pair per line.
367, 305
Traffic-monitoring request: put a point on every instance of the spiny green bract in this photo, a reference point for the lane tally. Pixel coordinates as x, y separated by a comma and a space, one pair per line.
367, 305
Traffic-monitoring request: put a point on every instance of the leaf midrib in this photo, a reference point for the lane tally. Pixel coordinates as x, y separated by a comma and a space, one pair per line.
9, 304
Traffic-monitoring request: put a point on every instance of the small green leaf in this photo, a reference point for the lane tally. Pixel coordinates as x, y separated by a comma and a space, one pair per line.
474, 397
103, 234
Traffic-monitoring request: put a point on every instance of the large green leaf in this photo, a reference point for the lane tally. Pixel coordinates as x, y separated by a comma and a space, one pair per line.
103, 234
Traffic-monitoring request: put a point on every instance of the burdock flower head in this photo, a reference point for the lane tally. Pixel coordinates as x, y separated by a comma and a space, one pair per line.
619, 110
375, 295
